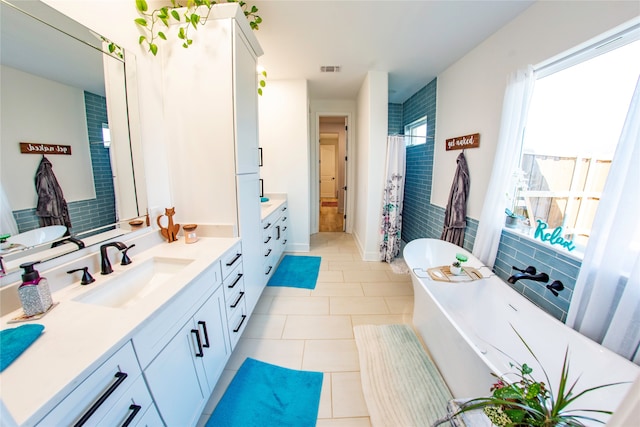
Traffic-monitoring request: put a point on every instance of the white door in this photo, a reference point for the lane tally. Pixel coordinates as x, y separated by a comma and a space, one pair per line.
327, 170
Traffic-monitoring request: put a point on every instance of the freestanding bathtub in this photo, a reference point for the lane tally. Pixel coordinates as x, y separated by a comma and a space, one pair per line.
468, 329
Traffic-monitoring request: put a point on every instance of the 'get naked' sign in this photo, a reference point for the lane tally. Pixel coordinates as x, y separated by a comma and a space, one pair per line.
462, 142
36, 148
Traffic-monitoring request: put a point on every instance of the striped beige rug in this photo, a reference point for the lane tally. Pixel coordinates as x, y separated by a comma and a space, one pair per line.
402, 387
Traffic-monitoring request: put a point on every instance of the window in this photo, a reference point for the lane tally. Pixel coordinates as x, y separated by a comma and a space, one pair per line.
574, 122
417, 131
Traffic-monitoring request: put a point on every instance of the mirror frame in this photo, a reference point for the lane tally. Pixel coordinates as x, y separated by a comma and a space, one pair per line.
130, 175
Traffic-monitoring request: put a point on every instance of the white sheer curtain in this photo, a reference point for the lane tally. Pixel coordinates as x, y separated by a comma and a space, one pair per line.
392, 198
606, 301
515, 107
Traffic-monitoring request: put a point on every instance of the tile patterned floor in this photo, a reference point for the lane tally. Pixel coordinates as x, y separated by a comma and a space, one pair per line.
313, 329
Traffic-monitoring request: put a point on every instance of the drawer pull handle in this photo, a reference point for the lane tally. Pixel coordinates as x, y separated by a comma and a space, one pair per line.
266, 226
244, 316
268, 271
120, 377
284, 228
235, 304
268, 253
267, 241
132, 415
278, 230
200, 352
233, 261
284, 218
235, 282
284, 209
284, 242
204, 331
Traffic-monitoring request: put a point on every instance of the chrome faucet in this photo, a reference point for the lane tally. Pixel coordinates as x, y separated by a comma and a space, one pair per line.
530, 274
104, 258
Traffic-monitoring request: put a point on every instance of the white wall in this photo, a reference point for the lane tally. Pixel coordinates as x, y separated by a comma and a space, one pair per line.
56, 116
114, 20
284, 138
370, 153
470, 92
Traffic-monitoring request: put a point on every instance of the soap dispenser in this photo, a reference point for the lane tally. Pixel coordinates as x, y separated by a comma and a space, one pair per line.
34, 291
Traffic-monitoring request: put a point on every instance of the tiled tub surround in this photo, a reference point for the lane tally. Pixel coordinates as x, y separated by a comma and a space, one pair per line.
423, 219
79, 337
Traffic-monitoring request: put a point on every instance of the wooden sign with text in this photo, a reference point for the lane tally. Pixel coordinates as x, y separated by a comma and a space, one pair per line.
462, 142
33, 148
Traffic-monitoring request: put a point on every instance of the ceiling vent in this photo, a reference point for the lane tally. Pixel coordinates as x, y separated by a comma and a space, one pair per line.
329, 68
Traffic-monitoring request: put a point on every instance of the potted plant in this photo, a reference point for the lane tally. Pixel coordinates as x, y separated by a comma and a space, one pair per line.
456, 266
529, 402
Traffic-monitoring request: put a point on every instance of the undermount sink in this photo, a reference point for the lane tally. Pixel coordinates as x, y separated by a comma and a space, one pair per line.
126, 287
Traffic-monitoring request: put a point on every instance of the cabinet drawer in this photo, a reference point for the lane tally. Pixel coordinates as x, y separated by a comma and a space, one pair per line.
237, 325
233, 283
97, 395
131, 407
235, 303
230, 260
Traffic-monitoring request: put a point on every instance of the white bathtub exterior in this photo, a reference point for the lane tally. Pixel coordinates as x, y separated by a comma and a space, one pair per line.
464, 324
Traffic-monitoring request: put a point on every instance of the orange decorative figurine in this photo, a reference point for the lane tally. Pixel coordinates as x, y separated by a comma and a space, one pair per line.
171, 231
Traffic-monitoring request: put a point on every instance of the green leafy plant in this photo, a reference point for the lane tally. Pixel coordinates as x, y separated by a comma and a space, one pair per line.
528, 402
187, 15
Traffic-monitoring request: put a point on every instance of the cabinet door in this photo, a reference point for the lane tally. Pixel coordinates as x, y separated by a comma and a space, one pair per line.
173, 380
246, 106
211, 326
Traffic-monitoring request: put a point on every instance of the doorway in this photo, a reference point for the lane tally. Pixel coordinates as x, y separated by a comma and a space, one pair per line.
332, 167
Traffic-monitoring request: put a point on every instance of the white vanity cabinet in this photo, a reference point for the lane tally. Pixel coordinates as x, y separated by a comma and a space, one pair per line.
114, 394
274, 239
183, 374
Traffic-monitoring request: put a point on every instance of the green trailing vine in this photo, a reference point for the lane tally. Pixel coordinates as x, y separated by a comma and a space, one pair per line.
154, 22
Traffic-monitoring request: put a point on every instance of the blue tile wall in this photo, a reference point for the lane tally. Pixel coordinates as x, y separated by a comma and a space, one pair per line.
92, 213
394, 122
520, 251
419, 217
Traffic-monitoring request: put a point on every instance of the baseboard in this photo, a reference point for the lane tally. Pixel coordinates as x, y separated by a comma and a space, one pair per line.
297, 247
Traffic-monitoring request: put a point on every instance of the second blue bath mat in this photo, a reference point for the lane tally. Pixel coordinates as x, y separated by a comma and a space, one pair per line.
296, 272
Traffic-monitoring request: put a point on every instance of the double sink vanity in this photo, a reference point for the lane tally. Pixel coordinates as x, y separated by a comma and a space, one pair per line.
144, 345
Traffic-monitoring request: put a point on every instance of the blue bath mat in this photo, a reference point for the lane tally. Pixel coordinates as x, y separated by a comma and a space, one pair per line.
296, 272
262, 394
14, 341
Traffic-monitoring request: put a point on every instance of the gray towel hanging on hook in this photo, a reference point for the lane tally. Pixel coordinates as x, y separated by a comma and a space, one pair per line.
455, 216
52, 207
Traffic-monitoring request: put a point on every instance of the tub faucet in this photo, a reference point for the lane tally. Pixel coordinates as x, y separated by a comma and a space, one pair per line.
104, 258
530, 274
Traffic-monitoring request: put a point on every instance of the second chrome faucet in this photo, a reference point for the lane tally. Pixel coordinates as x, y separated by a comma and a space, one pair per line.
105, 264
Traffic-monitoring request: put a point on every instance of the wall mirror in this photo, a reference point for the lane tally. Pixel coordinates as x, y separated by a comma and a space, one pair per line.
69, 99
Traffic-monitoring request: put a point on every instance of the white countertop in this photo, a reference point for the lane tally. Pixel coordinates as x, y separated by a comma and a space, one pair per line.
78, 336
275, 202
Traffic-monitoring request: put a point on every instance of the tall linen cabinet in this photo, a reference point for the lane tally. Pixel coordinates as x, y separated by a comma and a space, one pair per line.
211, 119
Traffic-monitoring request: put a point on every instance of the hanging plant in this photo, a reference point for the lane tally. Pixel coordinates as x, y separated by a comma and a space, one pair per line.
154, 22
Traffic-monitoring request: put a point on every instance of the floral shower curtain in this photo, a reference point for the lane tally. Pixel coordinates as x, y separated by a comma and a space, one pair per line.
393, 196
